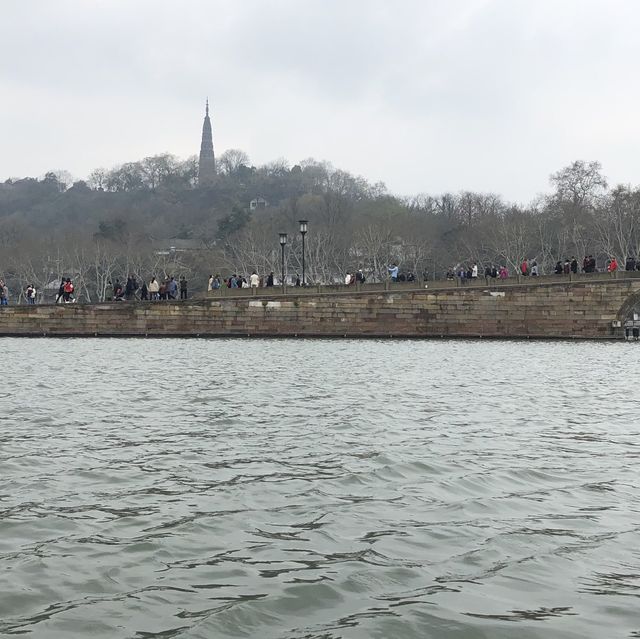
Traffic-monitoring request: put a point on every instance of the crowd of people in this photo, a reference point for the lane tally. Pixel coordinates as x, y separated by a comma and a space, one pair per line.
473, 272
169, 288
396, 275
155, 290
242, 281
530, 268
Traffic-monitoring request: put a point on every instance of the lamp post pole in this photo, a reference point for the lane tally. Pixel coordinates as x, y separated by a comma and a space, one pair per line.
283, 243
303, 232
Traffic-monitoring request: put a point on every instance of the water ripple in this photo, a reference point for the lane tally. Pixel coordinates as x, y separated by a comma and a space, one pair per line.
319, 489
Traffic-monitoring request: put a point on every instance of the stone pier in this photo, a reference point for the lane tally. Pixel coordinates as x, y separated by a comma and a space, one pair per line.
584, 309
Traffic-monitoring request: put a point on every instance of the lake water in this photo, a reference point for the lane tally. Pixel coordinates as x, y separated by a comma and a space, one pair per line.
319, 489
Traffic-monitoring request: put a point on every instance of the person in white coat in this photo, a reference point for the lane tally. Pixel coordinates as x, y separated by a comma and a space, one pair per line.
154, 289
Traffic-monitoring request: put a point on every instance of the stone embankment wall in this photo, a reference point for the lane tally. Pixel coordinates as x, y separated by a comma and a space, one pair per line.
553, 310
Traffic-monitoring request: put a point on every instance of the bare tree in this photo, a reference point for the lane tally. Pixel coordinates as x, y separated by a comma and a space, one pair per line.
232, 160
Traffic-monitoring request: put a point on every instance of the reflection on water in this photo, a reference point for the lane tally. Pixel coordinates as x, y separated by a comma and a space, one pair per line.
319, 489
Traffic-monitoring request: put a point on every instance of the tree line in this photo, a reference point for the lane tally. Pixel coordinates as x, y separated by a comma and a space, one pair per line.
150, 218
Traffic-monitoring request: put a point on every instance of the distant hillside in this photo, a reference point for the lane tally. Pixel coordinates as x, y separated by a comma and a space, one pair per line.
150, 217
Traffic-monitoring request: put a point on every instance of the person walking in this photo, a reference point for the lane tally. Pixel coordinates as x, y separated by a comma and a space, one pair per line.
393, 272
254, 280
68, 291
60, 294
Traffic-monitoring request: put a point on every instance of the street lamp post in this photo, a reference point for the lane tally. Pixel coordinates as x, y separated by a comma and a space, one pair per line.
283, 243
303, 232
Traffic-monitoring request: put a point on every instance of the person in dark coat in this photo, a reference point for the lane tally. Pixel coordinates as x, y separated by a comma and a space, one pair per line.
574, 265
183, 288
60, 294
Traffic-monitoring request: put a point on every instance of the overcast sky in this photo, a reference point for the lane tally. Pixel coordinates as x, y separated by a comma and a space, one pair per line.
425, 95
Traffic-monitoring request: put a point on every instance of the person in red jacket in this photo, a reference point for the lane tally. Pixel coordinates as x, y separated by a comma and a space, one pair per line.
524, 267
68, 290
613, 265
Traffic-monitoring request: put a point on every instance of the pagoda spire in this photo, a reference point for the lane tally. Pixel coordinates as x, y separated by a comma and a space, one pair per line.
207, 162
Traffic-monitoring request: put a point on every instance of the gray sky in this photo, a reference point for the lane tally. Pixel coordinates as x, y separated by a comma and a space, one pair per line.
425, 95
